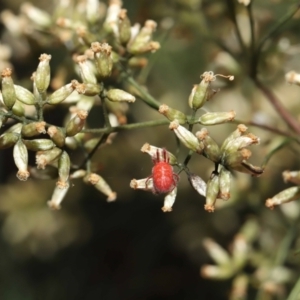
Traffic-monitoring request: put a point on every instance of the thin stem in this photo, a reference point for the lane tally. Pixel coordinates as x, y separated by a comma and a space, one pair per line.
295, 292
281, 110
252, 29
273, 31
128, 126
146, 97
269, 128
232, 13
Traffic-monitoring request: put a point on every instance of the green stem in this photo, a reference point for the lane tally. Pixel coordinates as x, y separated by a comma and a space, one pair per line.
273, 31
146, 97
294, 294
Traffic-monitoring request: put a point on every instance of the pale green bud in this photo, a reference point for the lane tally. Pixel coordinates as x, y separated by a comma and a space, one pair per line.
91, 144
241, 129
239, 288
211, 148
78, 174
186, 137
101, 185
8, 88
172, 114
157, 154
93, 11
103, 58
233, 159
36, 15
200, 92
76, 124
217, 118
15, 128
124, 27
216, 272
225, 180
8, 139
117, 95
24, 95
18, 109
57, 197
291, 176
197, 183
220, 256
33, 129
43, 158
145, 184
285, 196
63, 170
71, 142
62, 93
142, 42
248, 168
241, 142
88, 89
86, 70
212, 192
57, 135
240, 251
38, 144
42, 74
20, 155
169, 200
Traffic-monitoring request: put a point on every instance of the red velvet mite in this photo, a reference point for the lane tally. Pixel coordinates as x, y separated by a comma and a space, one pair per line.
163, 177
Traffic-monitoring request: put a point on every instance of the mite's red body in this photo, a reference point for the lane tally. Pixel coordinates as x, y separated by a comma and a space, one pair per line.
164, 179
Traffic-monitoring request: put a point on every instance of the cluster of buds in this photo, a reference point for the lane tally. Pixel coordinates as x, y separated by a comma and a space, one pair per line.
49, 142
289, 194
232, 155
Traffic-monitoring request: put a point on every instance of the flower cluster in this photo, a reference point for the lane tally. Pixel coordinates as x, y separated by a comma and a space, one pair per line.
232, 155
97, 64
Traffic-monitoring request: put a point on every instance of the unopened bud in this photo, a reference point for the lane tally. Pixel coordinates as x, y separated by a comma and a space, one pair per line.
39, 144
172, 114
239, 287
285, 196
217, 118
42, 74
212, 192
239, 252
225, 180
24, 95
211, 148
18, 109
8, 139
124, 27
248, 168
200, 92
117, 95
241, 129
291, 176
142, 42
71, 142
8, 88
76, 124
145, 184
57, 197
217, 253
241, 142
57, 135
63, 170
292, 77
158, 153
36, 15
78, 174
33, 129
93, 11
20, 155
197, 183
186, 137
86, 70
43, 158
216, 272
62, 93
88, 89
231, 159
102, 186
169, 200
103, 58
